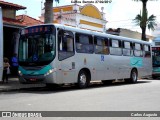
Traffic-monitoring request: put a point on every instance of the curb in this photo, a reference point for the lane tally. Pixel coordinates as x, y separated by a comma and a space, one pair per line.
14, 85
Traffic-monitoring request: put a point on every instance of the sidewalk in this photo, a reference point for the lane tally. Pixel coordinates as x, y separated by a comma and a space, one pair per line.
13, 84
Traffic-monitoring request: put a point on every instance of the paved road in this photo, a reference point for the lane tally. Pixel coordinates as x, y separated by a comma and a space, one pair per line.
143, 96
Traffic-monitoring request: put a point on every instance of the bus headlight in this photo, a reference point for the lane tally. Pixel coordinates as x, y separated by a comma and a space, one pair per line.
50, 71
20, 73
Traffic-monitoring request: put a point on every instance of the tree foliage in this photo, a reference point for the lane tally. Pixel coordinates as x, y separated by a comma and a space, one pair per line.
144, 19
150, 21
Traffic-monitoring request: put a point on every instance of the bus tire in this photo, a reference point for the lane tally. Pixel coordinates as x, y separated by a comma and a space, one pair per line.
83, 79
133, 77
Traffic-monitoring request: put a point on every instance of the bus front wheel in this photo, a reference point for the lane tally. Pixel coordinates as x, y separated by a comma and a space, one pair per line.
83, 79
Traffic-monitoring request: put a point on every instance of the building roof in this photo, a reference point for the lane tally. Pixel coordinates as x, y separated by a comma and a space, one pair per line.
21, 21
27, 20
12, 22
11, 5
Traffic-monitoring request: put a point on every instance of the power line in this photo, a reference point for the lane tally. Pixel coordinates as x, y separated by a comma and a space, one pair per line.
120, 20
127, 19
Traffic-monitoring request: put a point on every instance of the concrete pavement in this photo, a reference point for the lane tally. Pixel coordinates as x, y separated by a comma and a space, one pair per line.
13, 84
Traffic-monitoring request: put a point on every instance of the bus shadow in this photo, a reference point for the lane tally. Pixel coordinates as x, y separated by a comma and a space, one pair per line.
158, 78
66, 88
116, 84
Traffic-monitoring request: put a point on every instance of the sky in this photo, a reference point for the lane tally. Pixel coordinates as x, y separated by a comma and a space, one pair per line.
119, 13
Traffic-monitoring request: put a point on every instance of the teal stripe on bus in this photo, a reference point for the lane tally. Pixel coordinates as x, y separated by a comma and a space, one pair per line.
136, 62
42, 71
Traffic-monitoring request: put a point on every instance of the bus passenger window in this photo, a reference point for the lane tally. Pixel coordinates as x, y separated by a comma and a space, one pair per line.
147, 52
65, 44
138, 50
126, 48
101, 45
84, 43
115, 48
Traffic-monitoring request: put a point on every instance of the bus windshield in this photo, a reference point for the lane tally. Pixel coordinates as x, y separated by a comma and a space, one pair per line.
36, 49
156, 57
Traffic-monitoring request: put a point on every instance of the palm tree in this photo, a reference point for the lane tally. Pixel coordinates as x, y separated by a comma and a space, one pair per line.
48, 15
144, 17
150, 21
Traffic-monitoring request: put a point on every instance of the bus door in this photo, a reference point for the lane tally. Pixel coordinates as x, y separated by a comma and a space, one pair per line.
66, 56
116, 59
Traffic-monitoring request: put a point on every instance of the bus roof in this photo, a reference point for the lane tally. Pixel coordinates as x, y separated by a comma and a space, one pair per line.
85, 31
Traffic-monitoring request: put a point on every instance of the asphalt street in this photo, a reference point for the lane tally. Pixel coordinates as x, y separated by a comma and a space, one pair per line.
142, 96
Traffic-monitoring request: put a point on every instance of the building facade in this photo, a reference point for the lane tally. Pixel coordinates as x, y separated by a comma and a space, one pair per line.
128, 33
85, 17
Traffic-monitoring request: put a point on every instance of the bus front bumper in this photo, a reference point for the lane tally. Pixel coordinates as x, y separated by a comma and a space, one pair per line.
37, 78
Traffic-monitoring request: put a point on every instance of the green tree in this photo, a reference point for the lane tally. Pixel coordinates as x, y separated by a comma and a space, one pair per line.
144, 17
48, 15
150, 21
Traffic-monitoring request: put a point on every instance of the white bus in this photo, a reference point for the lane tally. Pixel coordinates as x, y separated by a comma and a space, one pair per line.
1, 44
59, 54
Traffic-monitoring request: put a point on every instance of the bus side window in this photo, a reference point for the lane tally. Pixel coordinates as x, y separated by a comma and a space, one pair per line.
84, 43
115, 47
101, 45
138, 50
147, 52
126, 48
65, 44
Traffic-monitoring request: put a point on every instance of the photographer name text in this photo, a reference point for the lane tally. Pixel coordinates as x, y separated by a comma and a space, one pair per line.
91, 1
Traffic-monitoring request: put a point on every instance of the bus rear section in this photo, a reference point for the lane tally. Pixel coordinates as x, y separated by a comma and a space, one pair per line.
1, 44
156, 62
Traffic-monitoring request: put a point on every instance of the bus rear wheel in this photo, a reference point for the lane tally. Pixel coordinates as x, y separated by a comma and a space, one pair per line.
133, 77
83, 79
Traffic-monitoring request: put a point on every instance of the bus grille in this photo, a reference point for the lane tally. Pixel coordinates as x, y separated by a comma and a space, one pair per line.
33, 68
